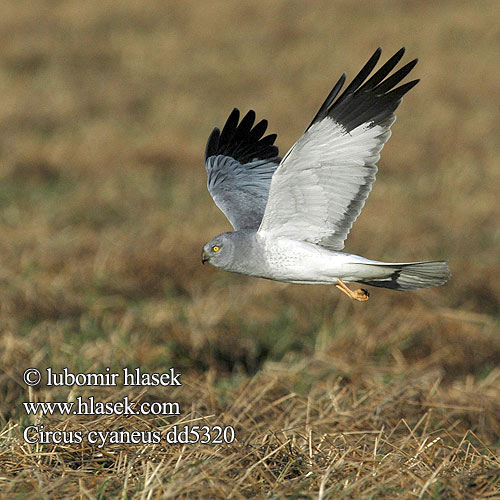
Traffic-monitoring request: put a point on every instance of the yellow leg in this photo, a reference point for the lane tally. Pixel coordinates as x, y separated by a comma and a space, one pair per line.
359, 294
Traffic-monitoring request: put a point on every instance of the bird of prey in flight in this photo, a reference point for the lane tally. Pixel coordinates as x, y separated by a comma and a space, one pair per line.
291, 215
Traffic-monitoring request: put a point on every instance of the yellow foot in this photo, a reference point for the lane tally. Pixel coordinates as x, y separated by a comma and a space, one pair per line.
360, 294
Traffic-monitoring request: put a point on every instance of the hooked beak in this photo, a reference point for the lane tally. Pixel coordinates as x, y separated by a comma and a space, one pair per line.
204, 257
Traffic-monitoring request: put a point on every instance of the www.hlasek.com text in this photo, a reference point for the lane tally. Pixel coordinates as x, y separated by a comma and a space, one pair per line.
91, 406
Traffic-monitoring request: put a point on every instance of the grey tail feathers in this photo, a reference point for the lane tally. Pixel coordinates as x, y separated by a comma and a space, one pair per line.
411, 276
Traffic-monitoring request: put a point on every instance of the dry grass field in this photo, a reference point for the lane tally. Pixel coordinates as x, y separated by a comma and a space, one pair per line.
104, 112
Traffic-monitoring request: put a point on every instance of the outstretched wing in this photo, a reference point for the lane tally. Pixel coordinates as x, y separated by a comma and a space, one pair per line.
322, 183
240, 163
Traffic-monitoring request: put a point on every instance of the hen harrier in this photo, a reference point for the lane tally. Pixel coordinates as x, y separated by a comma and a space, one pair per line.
291, 215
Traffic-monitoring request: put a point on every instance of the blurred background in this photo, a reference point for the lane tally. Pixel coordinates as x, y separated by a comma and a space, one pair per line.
105, 110
104, 113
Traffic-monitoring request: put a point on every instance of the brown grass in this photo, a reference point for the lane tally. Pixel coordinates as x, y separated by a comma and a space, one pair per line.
104, 114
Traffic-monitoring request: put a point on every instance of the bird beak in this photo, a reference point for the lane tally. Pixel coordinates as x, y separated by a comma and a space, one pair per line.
204, 257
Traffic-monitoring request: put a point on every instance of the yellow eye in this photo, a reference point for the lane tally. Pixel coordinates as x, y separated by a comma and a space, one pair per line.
215, 248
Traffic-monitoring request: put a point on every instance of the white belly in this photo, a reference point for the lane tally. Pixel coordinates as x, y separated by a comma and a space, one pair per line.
300, 262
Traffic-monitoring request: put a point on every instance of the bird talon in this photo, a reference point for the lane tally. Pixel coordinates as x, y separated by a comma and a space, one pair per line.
361, 294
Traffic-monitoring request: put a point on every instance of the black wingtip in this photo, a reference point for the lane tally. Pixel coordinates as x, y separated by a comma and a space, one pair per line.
235, 113
242, 140
323, 110
212, 143
369, 99
403, 89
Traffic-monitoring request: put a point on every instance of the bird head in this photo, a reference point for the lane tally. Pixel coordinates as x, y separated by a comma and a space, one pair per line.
218, 251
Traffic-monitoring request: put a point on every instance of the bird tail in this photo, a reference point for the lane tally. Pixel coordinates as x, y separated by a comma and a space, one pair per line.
408, 276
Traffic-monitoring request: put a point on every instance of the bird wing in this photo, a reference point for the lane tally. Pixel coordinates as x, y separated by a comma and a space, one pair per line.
240, 163
322, 183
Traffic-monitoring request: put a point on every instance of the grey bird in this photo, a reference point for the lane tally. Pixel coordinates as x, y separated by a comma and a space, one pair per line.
291, 215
